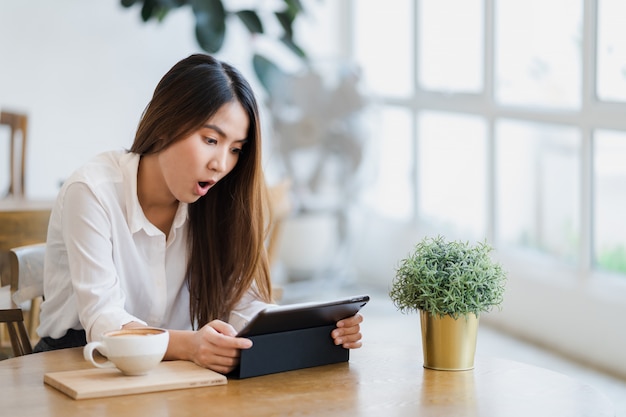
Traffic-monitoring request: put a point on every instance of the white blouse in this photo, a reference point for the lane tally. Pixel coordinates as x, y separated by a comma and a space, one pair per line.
106, 265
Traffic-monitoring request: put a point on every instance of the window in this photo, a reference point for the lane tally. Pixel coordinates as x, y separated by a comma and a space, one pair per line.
611, 55
537, 47
452, 173
390, 69
391, 190
512, 116
609, 173
537, 187
450, 45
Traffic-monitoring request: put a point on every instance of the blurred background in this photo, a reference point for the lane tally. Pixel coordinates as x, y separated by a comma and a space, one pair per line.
497, 120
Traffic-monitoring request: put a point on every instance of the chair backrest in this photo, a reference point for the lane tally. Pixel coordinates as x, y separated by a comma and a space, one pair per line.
17, 122
26, 277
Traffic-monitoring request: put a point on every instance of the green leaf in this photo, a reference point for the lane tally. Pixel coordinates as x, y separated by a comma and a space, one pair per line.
293, 47
286, 22
266, 71
148, 9
173, 4
128, 3
157, 9
251, 19
210, 24
294, 7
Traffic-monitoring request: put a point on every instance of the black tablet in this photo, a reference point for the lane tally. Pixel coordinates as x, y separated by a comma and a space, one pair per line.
303, 315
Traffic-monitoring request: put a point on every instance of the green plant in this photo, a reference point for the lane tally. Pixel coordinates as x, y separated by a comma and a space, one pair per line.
448, 278
613, 259
211, 18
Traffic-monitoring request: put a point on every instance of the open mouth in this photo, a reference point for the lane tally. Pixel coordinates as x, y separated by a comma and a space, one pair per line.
205, 185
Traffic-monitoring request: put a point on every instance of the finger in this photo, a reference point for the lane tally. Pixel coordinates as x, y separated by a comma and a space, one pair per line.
345, 331
223, 367
213, 357
213, 334
222, 352
352, 345
342, 336
348, 338
350, 321
220, 341
354, 337
223, 327
349, 343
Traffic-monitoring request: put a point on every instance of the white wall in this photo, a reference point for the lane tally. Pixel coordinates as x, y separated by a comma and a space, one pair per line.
83, 71
577, 315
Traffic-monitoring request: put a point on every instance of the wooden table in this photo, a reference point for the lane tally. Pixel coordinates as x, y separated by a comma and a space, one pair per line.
379, 380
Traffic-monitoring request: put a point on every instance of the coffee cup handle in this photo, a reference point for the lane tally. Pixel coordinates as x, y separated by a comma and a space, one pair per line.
88, 354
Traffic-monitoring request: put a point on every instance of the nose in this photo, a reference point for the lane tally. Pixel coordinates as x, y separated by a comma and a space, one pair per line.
219, 160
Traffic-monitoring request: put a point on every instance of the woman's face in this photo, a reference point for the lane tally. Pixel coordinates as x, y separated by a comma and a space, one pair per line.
193, 165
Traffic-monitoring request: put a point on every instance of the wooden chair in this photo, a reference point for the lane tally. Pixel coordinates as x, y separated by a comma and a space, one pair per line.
25, 284
17, 122
12, 316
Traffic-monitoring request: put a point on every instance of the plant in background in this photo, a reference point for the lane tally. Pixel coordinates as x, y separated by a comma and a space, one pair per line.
211, 18
613, 259
448, 278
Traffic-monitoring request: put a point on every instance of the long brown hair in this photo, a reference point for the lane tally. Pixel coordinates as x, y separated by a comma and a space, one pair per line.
226, 227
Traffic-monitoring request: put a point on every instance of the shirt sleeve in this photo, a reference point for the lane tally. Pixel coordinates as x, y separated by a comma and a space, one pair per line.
86, 229
246, 309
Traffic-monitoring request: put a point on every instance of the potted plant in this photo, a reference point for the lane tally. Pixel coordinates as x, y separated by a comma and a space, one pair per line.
450, 283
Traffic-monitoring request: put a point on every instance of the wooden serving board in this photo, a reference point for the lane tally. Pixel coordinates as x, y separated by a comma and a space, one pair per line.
98, 382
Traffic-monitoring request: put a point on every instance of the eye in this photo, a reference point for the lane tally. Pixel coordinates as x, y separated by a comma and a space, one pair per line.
210, 141
237, 151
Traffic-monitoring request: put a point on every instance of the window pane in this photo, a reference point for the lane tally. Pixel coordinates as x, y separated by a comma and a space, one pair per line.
451, 45
611, 74
610, 200
537, 187
452, 172
538, 53
391, 190
383, 42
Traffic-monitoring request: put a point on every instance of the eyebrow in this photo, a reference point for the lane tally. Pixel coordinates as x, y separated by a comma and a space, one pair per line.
222, 133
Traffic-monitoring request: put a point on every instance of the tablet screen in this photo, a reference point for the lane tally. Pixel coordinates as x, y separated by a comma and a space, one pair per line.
303, 315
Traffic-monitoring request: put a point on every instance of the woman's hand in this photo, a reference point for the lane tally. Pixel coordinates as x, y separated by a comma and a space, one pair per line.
215, 346
348, 332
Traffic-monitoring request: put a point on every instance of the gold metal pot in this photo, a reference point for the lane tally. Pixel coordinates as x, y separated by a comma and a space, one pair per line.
448, 344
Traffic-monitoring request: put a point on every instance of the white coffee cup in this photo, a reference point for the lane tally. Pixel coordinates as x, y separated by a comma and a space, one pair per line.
133, 351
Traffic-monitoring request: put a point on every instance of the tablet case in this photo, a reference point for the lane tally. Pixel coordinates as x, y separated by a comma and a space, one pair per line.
303, 315
289, 350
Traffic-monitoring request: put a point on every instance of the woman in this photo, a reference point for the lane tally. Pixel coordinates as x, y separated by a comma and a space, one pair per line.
171, 233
